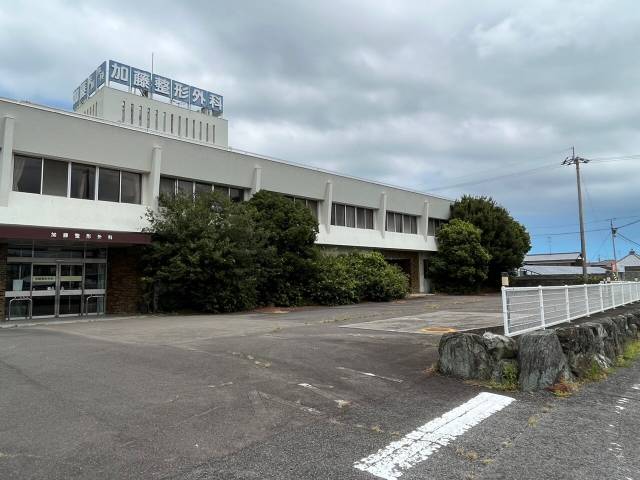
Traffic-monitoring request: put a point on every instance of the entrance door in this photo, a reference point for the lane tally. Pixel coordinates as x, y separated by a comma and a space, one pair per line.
44, 285
69, 289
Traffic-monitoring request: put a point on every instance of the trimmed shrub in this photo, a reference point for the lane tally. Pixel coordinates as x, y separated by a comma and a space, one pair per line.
377, 280
333, 282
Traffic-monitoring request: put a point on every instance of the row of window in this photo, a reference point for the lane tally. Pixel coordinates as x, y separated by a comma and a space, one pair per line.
172, 186
170, 123
401, 223
350, 216
92, 110
75, 180
312, 205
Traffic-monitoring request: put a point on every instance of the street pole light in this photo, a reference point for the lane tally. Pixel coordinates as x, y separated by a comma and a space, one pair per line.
573, 160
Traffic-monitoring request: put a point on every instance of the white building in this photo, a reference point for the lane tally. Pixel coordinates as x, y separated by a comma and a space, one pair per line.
75, 186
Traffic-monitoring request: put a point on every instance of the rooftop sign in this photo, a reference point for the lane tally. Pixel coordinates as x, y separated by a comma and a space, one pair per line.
146, 83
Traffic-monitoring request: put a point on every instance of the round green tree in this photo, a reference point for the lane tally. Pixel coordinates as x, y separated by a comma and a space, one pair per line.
461, 263
504, 238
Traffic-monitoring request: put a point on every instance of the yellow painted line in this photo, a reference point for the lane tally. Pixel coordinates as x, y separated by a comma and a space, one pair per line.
438, 330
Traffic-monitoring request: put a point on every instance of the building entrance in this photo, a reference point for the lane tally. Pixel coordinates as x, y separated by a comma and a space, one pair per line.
42, 284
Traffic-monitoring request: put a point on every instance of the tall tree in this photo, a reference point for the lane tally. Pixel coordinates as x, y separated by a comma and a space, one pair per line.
504, 238
202, 256
461, 264
286, 232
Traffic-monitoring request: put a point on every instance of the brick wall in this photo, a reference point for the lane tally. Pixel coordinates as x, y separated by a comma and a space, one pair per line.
124, 290
3, 278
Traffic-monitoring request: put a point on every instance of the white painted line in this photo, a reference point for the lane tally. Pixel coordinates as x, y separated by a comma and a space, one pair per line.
367, 374
391, 461
341, 403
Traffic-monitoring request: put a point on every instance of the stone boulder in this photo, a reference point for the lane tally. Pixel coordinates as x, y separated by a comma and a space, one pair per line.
500, 346
623, 327
464, 355
542, 361
613, 341
633, 324
583, 345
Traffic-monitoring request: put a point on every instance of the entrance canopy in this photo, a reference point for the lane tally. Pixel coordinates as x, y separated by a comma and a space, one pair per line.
21, 232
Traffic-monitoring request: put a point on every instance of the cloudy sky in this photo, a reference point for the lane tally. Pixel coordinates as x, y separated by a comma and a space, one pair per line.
449, 97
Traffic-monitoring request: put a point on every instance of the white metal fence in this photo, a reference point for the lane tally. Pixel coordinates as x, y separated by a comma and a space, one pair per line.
531, 308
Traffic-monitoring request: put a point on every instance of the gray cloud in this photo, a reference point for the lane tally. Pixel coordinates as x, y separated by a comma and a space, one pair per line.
419, 94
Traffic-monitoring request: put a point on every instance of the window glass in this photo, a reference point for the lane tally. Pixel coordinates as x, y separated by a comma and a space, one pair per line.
131, 188
55, 178
94, 275
313, 206
369, 219
83, 181
399, 223
414, 225
236, 194
109, 185
406, 220
203, 187
391, 222
333, 214
20, 250
18, 277
224, 191
167, 186
340, 215
185, 187
92, 252
360, 217
351, 217
26, 174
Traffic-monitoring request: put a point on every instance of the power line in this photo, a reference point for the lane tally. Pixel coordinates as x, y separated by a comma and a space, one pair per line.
567, 233
628, 239
589, 221
499, 177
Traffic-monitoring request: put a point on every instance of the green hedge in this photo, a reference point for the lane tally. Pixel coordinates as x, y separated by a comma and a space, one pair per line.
357, 277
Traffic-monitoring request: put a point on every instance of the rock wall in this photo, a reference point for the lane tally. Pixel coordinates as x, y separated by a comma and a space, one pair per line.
541, 358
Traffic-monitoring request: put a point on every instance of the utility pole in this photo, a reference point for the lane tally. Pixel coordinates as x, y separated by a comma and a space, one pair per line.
615, 256
573, 160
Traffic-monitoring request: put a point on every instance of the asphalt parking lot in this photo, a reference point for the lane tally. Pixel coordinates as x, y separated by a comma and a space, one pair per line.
282, 395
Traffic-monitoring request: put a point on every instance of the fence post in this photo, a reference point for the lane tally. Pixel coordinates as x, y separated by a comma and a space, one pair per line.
541, 306
566, 302
601, 299
613, 296
586, 299
622, 288
505, 314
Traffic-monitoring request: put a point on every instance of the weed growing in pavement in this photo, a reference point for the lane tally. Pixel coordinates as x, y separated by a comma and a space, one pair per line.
564, 388
630, 353
595, 373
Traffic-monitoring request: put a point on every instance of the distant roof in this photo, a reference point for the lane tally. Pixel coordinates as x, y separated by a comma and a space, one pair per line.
561, 270
543, 257
630, 260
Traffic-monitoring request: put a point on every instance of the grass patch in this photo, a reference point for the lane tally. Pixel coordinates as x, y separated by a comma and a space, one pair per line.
631, 352
564, 388
595, 373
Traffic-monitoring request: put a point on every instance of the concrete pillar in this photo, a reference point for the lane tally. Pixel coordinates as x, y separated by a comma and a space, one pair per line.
327, 205
256, 184
382, 214
6, 160
152, 192
425, 221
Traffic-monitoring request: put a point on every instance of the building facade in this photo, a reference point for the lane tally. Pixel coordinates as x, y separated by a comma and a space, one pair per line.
75, 187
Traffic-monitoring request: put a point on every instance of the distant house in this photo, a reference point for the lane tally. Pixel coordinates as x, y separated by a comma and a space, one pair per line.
569, 259
629, 266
